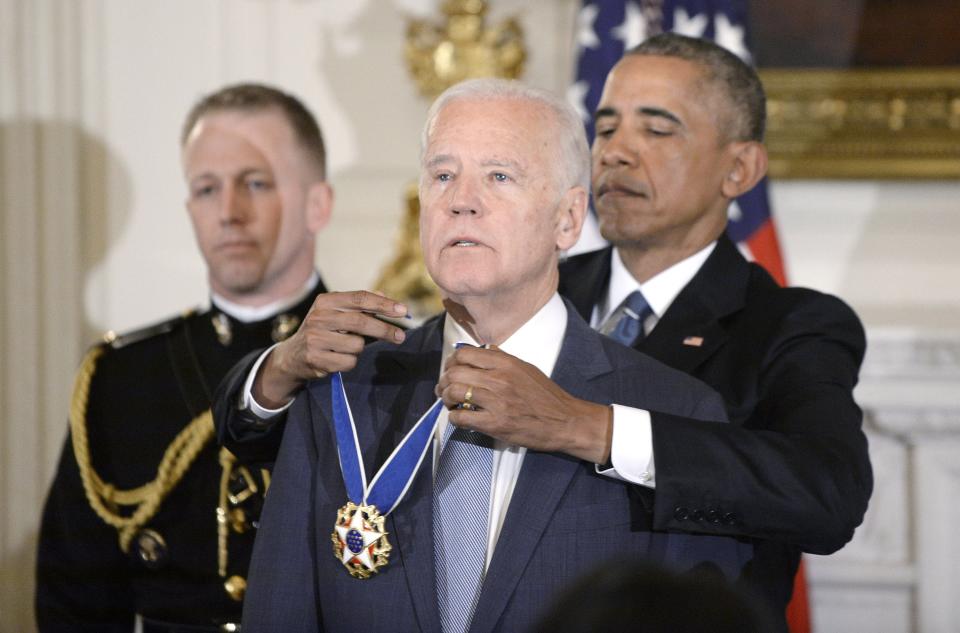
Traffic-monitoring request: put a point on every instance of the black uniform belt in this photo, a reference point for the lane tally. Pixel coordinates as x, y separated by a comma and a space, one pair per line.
157, 626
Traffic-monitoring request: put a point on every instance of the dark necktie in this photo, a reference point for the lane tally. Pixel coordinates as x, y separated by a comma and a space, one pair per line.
625, 324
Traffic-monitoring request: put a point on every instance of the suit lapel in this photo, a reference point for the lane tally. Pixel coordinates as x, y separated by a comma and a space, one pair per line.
692, 329
411, 522
684, 342
543, 479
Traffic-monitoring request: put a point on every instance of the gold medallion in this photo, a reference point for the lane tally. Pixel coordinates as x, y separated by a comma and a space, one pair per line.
359, 540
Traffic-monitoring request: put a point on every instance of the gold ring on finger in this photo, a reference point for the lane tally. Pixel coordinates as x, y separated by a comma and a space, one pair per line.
467, 400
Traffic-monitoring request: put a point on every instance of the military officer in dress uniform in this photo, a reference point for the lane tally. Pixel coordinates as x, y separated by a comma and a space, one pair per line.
147, 517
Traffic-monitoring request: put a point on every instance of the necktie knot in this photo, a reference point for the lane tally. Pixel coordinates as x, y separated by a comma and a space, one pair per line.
625, 324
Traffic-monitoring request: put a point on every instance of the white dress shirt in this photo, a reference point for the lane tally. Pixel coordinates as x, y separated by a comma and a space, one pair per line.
631, 450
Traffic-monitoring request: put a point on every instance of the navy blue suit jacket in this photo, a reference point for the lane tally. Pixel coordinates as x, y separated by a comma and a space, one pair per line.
563, 518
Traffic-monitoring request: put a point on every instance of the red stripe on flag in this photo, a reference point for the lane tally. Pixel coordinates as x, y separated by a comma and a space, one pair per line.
798, 611
765, 249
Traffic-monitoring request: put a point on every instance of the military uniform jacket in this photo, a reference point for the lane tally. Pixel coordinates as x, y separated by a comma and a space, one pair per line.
146, 388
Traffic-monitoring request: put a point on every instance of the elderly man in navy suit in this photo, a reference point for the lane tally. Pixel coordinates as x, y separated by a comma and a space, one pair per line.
389, 510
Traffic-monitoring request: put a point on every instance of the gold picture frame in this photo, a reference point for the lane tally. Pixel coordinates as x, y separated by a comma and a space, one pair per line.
869, 123
860, 88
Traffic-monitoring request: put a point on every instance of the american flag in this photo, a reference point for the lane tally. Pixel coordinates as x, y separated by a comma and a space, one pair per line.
606, 28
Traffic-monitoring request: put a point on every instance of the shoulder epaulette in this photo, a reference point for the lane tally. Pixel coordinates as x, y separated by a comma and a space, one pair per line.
116, 341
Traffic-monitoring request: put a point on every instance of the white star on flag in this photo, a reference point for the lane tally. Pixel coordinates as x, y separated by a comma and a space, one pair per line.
733, 212
689, 25
369, 537
577, 97
730, 36
586, 36
634, 27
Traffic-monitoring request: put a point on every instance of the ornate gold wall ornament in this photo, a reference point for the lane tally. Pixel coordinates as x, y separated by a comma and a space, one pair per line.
463, 47
405, 276
877, 123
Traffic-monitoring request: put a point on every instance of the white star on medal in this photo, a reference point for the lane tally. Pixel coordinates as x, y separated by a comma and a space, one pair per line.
369, 538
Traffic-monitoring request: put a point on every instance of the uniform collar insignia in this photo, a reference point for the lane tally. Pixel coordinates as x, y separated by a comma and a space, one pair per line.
223, 328
283, 326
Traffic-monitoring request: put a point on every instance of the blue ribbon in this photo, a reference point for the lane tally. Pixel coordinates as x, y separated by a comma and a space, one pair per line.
393, 480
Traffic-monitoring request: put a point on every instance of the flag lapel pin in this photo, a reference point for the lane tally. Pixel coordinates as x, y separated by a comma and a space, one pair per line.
693, 341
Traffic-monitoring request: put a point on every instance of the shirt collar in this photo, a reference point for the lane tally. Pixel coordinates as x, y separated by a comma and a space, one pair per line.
249, 314
659, 291
537, 341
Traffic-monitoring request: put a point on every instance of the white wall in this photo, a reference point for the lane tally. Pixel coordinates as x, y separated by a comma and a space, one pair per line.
94, 235
891, 249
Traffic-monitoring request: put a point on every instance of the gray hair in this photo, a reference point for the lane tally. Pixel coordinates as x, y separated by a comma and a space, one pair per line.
737, 79
574, 160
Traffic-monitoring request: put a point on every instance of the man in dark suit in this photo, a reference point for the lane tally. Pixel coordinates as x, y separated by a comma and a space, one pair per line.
679, 131
146, 514
503, 191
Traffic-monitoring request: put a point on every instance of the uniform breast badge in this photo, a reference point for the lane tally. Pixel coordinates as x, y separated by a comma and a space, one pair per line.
359, 537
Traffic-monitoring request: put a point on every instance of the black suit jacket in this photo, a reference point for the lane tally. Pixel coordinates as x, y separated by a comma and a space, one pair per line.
791, 471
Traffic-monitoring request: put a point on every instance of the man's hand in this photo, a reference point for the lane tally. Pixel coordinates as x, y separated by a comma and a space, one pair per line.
329, 339
519, 405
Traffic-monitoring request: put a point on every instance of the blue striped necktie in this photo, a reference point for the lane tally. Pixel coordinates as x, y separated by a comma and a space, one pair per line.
461, 498
625, 324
